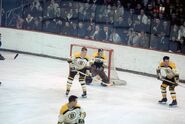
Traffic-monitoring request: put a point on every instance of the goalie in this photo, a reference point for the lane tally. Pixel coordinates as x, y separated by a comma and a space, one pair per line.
169, 78
97, 67
78, 64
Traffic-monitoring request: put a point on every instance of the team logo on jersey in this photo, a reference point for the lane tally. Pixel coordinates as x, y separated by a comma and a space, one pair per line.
80, 63
72, 115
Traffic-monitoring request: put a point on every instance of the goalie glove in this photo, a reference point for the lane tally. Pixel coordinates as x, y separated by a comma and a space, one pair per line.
81, 121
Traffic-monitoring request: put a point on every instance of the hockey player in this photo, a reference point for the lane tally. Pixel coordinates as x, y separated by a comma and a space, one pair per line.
170, 79
78, 64
97, 67
1, 57
71, 113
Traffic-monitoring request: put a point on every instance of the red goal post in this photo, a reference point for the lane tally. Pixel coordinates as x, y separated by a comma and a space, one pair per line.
109, 53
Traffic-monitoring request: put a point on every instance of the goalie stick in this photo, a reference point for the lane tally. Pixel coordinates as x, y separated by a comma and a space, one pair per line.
110, 84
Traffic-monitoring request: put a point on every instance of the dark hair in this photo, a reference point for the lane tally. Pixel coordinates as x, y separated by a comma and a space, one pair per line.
100, 50
84, 49
166, 58
72, 98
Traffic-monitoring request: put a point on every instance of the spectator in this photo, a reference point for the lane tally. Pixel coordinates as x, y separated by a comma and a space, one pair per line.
143, 19
52, 9
121, 22
156, 27
181, 32
81, 30
97, 34
174, 32
36, 9
154, 41
37, 25
143, 40
67, 28
138, 9
19, 22
135, 39
89, 32
69, 15
119, 9
137, 26
163, 42
83, 16
59, 27
28, 23
50, 26
105, 33
173, 45
149, 10
74, 29
114, 37
165, 28
124, 37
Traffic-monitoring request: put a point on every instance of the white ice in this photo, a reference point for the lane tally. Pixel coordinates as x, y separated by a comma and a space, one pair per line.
33, 89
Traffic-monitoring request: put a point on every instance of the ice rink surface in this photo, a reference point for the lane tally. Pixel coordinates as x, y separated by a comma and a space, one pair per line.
33, 88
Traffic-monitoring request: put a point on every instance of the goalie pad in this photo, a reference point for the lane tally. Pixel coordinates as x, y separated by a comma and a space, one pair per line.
88, 80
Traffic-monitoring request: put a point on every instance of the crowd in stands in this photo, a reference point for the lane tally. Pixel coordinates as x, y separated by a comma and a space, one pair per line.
154, 24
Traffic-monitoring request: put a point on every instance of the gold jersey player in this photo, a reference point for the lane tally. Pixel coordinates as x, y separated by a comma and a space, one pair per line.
78, 64
170, 79
71, 112
97, 67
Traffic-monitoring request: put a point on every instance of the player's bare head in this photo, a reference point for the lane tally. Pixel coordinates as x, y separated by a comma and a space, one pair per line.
166, 60
83, 51
72, 98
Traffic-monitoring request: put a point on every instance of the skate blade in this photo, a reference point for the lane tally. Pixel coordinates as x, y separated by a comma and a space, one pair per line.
173, 106
162, 103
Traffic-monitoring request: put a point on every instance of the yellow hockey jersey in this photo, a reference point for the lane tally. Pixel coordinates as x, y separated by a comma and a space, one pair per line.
71, 116
169, 70
80, 62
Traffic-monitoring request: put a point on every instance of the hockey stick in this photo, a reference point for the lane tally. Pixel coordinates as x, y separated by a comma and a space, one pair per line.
16, 56
172, 82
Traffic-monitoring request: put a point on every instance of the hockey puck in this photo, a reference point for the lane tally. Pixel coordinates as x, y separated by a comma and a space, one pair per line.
0, 83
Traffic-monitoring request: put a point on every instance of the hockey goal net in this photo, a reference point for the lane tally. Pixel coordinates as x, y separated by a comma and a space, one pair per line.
110, 69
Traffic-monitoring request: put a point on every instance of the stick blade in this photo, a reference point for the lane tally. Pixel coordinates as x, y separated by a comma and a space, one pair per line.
16, 56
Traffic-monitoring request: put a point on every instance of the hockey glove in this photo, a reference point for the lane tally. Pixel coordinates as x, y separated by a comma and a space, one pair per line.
159, 76
60, 123
81, 121
69, 60
176, 80
73, 69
